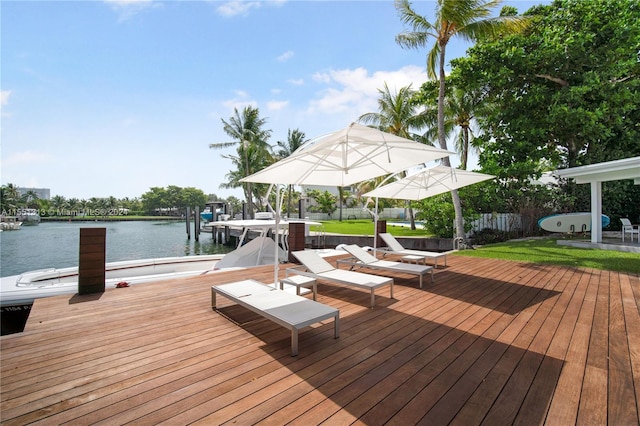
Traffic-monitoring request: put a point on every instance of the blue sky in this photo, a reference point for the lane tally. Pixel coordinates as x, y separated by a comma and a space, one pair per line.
111, 98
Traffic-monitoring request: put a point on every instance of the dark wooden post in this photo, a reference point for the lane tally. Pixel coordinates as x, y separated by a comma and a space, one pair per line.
188, 222
296, 239
381, 228
196, 223
92, 259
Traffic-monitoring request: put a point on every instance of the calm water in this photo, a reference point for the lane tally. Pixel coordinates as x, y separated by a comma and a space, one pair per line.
55, 244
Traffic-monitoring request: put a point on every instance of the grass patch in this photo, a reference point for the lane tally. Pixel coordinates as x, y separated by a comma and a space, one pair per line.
547, 251
365, 227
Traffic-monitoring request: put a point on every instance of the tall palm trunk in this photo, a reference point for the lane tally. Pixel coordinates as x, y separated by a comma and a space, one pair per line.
457, 205
411, 218
464, 156
249, 193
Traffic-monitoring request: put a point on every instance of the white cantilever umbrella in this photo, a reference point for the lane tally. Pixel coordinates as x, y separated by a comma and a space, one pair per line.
353, 154
427, 183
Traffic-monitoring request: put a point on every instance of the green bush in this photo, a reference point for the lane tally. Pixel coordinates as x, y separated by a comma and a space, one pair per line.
490, 236
438, 215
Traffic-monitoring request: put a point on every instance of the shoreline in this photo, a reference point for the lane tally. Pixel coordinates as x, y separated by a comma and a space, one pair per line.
112, 219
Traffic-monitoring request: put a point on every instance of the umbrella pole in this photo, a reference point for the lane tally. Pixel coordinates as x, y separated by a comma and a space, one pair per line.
276, 266
375, 228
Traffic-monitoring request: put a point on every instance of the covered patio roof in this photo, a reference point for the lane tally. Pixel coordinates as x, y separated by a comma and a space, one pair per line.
595, 174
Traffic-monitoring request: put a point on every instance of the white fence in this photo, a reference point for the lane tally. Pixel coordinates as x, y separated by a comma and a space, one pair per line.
499, 221
359, 213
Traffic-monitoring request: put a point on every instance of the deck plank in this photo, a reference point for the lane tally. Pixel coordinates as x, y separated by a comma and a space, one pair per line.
621, 386
488, 342
593, 402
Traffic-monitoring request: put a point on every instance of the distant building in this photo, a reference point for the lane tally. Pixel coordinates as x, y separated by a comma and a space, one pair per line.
42, 193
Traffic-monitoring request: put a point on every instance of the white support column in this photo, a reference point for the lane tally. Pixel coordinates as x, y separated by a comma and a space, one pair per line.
596, 212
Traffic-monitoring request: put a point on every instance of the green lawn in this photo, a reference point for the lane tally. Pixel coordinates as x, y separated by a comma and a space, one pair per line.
547, 251
538, 250
365, 227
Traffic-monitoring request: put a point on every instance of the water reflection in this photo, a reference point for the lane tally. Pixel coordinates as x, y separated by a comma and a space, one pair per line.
55, 244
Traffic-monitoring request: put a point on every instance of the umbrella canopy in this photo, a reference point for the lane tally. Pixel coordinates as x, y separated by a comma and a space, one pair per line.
354, 154
427, 183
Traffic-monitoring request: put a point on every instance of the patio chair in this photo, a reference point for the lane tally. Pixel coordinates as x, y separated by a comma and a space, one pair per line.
288, 310
628, 228
363, 259
315, 266
394, 246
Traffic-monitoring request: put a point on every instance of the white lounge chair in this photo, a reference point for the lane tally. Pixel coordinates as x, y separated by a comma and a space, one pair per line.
315, 266
628, 228
363, 259
288, 310
393, 246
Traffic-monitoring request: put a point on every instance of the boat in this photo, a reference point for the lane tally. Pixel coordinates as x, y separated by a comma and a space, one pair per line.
17, 290
28, 216
260, 250
206, 214
570, 222
10, 223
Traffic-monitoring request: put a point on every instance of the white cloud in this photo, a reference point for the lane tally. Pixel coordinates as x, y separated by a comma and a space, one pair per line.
277, 105
297, 82
321, 77
356, 90
286, 56
242, 7
240, 101
236, 7
127, 9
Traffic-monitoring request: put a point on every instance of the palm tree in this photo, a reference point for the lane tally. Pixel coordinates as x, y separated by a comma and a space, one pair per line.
469, 19
397, 114
74, 205
460, 109
59, 203
295, 139
246, 130
249, 157
9, 199
31, 199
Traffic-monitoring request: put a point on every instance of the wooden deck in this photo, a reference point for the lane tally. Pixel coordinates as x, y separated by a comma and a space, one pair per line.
490, 342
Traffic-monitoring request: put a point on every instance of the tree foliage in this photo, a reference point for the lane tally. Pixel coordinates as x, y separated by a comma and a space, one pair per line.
399, 115
295, 139
439, 215
565, 93
468, 19
325, 201
253, 151
172, 199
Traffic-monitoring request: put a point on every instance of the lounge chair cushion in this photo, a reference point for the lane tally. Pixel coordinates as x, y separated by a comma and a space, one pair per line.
391, 242
361, 254
313, 262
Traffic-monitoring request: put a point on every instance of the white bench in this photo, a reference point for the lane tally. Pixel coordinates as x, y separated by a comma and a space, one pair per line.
288, 310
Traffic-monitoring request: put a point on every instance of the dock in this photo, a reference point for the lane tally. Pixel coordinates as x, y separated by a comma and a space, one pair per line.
489, 342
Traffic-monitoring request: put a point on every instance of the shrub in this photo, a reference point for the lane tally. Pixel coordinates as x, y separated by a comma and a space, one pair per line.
490, 236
